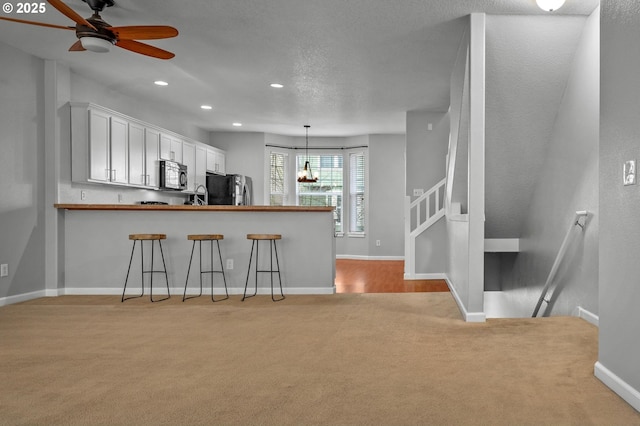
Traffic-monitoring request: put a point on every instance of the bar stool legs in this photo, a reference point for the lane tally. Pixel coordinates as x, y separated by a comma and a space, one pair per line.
141, 238
256, 238
211, 238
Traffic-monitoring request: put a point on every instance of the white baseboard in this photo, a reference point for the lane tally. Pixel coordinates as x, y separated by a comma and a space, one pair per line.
359, 257
588, 316
468, 316
616, 384
9, 300
435, 276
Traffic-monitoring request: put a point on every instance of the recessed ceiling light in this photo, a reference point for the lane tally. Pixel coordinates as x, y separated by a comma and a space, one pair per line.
276, 85
161, 83
237, 124
207, 107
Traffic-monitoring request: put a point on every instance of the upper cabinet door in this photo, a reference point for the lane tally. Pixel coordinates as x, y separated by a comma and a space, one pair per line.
215, 161
119, 150
189, 160
152, 149
99, 165
137, 175
201, 166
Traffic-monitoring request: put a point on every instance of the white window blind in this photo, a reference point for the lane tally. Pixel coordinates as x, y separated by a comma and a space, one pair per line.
328, 190
278, 182
356, 192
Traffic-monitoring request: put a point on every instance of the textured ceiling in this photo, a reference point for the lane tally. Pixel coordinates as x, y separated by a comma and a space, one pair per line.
348, 66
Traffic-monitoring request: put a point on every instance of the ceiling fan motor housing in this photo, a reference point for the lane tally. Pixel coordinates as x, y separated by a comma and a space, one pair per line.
98, 5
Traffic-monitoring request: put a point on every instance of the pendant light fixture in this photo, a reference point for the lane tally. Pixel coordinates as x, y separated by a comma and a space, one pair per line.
550, 5
305, 175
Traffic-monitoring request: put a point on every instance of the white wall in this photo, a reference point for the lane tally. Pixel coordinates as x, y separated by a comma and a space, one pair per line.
567, 182
22, 227
619, 252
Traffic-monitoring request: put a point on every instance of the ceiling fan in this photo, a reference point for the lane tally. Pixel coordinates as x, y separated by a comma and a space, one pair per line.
96, 35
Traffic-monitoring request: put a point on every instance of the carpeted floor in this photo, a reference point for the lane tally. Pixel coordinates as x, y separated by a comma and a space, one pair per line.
347, 359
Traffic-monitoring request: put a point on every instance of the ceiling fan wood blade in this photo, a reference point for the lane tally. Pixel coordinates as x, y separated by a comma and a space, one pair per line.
144, 32
144, 49
77, 47
70, 13
42, 24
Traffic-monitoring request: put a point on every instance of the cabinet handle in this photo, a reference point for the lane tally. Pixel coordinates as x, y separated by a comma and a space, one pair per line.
114, 174
147, 179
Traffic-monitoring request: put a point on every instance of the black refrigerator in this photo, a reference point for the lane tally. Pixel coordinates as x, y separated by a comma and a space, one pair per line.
229, 190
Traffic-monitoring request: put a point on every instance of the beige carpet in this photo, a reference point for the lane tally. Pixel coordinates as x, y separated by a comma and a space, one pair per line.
348, 359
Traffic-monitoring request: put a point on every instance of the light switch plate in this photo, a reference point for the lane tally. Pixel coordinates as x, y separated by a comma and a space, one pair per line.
4, 270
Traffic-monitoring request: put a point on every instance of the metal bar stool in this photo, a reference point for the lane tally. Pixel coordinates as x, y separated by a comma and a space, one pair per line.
256, 238
153, 238
211, 238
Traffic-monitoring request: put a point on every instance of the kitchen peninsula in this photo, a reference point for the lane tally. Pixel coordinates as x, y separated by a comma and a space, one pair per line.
97, 248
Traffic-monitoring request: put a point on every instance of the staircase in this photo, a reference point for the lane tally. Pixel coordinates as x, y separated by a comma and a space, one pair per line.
419, 215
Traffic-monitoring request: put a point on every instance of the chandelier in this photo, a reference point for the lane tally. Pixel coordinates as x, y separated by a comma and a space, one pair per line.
305, 175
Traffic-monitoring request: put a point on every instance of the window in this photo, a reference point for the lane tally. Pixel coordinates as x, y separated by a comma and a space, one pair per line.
278, 192
356, 192
328, 190
341, 181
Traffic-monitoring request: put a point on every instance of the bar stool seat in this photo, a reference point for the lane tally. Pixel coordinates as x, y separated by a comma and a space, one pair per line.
211, 238
152, 238
255, 240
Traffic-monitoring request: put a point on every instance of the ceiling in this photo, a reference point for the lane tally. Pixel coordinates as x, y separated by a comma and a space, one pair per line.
348, 67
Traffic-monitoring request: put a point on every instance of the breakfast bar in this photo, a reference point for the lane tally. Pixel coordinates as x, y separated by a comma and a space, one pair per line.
97, 248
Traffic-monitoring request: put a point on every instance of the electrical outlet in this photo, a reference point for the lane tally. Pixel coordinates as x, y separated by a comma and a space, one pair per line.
418, 192
4, 270
229, 263
120, 198
83, 195
377, 243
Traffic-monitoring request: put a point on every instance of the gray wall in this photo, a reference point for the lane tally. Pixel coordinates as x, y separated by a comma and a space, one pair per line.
386, 196
619, 266
426, 166
245, 156
22, 228
567, 182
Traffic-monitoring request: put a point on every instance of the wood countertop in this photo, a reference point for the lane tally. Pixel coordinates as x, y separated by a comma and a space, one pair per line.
189, 208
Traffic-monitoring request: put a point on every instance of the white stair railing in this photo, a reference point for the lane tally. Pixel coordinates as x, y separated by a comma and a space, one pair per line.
547, 293
420, 215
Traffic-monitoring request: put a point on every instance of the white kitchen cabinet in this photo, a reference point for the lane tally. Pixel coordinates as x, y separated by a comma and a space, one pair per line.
98, 138
216, 161
170, 148
143, 155
119, 155
152, 150
137, 155
201, 166
189, 160
108, 146
112, 148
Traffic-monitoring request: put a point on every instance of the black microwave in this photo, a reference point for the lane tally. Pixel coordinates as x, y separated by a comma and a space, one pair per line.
173, 175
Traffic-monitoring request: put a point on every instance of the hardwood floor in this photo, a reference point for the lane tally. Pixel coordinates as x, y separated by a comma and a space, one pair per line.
380, 276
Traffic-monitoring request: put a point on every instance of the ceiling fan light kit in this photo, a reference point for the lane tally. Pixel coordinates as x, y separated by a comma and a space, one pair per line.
96, 35
95, 44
